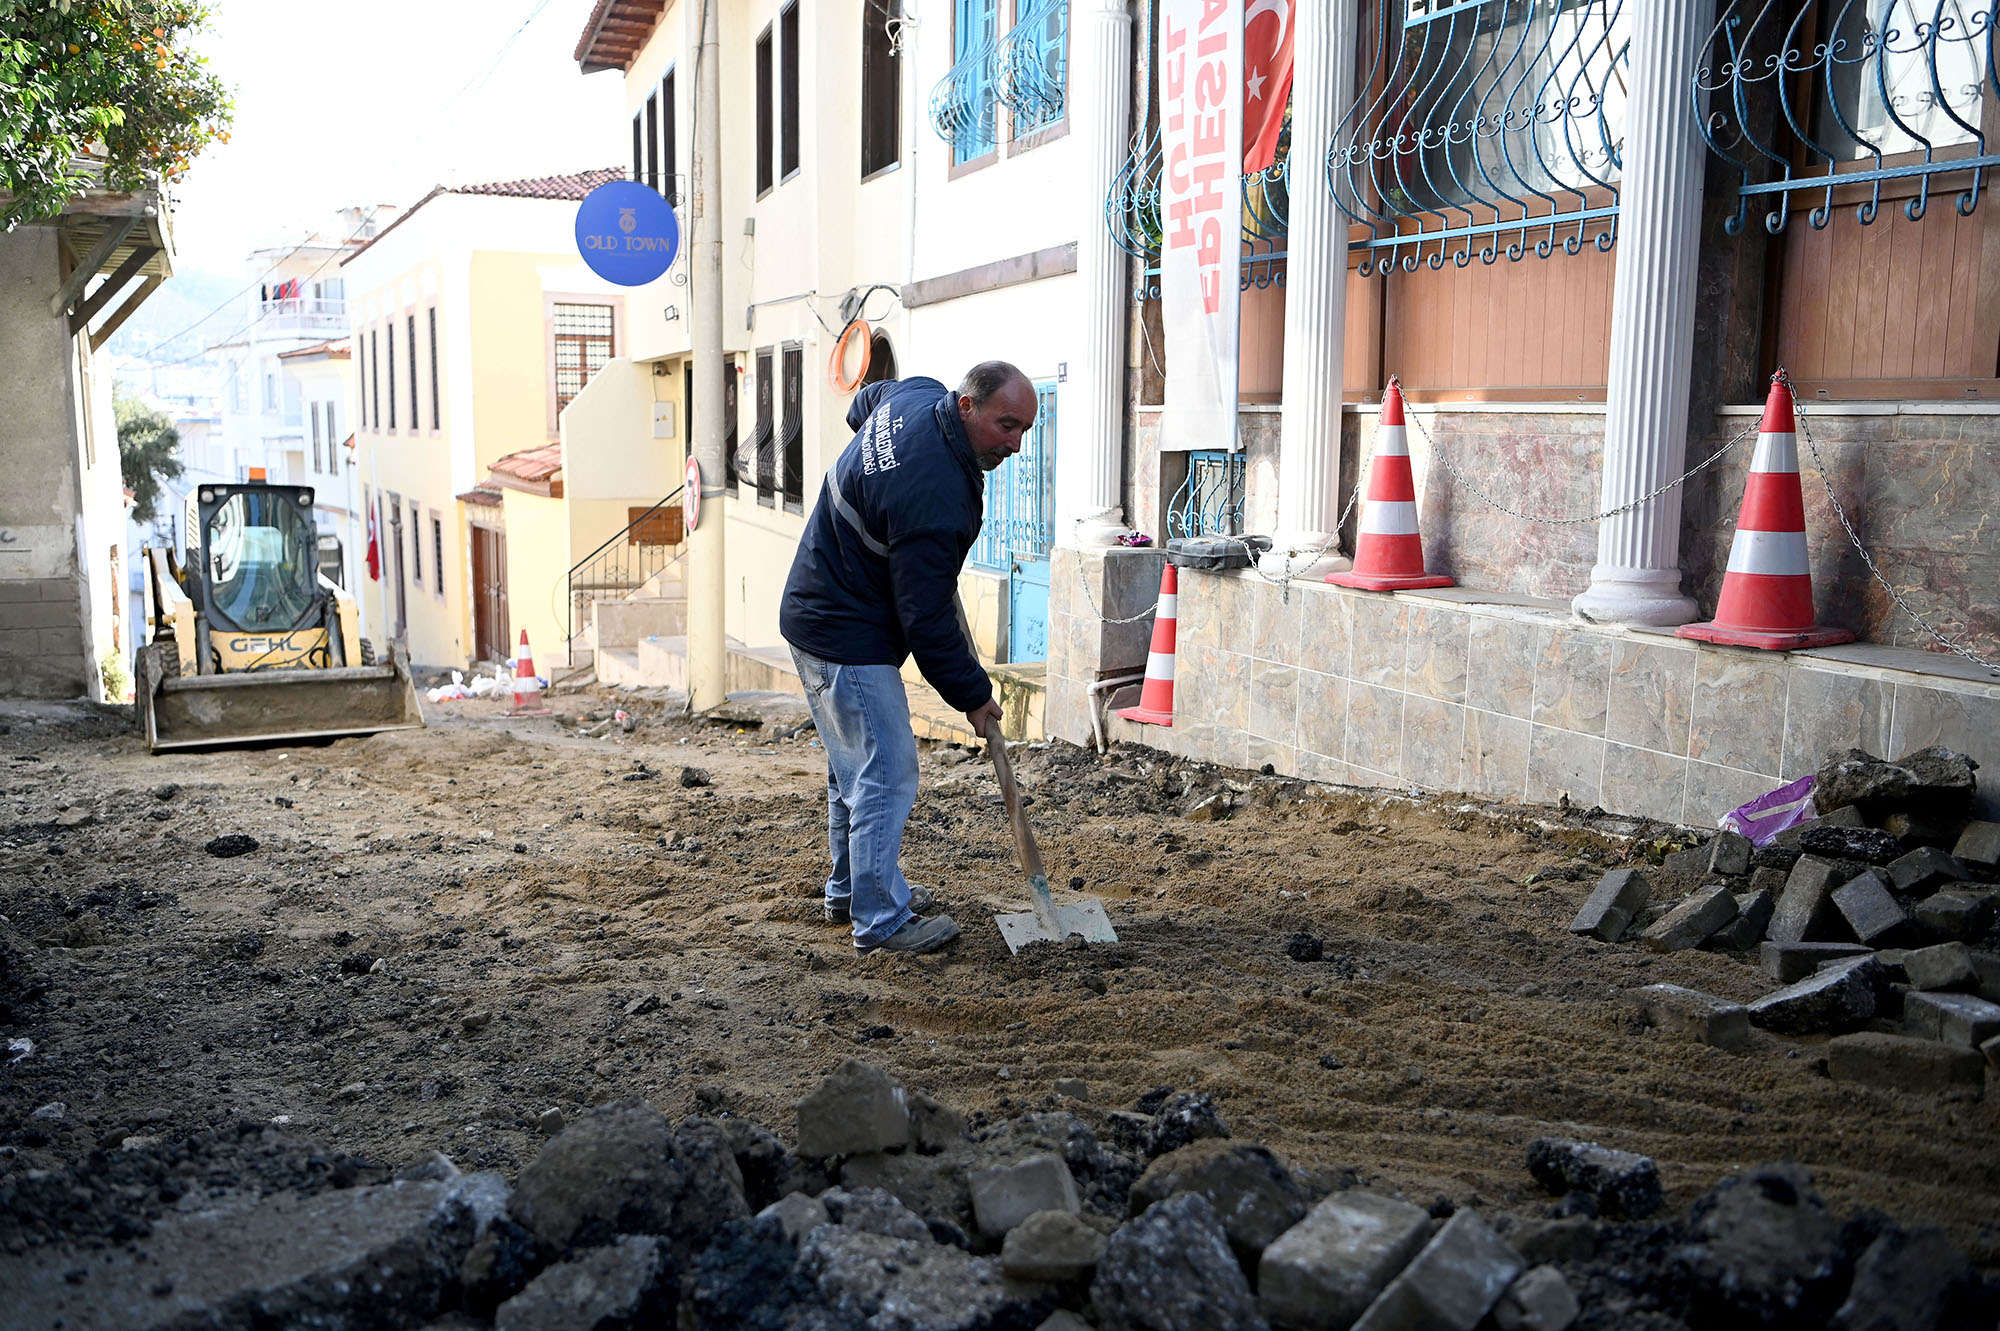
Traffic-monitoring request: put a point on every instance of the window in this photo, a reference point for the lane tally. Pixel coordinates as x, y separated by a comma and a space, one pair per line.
392, 376
270, 392
416, 545
583, 345
375, 374
652, 178
767, 459
668, 158
437, 554
794, 451
764, 177
975, 25
436, 423
881, 87
411, 329
730, 431
639, 146
687, 403
788, 91
315, 435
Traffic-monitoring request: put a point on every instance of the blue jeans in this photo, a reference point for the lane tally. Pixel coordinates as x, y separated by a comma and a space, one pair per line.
863, 716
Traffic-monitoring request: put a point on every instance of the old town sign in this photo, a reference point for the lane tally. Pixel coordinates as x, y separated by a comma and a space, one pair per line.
627, 233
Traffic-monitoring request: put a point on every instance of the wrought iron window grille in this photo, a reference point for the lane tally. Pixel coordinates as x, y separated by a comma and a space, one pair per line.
1804, 97
1480, 124
1210, 500
964, 104
1033, 65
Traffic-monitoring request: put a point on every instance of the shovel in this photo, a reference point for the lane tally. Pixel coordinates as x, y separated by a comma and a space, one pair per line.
1047, 922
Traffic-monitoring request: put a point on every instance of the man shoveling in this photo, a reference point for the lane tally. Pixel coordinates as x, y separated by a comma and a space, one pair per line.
875, 581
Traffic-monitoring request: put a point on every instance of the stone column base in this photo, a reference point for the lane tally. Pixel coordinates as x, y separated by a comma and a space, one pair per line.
1650, 596
1291, 556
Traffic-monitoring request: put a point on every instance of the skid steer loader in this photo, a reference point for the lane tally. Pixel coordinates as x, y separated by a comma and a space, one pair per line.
249, 642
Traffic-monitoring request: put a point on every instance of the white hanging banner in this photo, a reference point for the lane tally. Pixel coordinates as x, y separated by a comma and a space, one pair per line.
1201, 217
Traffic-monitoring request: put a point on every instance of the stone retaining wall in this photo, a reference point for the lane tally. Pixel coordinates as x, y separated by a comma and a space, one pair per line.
1499, 695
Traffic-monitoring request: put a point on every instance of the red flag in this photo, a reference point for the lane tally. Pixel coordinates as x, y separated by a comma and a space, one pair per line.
1267, 79
374, 549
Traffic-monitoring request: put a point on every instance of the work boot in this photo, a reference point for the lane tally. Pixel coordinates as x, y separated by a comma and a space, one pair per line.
918, 936
921, 903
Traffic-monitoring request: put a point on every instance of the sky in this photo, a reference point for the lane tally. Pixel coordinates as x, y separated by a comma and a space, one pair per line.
376, 101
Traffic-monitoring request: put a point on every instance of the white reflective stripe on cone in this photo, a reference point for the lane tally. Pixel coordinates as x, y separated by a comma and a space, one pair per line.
1777, 552
1776, 452
1159, 665
1392, 441
1168, 608
1389, 517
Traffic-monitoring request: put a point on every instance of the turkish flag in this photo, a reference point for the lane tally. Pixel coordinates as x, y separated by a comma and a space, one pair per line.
374, 549
1267, 79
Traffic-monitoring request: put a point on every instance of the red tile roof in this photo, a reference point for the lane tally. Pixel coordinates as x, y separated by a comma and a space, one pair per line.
531, 464
486, 494
339, 350
559, 189
572, 187
535, 471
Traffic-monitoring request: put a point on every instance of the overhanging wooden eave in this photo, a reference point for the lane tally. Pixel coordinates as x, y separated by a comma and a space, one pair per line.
615, 32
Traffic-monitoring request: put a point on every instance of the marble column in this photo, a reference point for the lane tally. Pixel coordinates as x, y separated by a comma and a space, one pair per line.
1089, 456
1637, 578
1309, 496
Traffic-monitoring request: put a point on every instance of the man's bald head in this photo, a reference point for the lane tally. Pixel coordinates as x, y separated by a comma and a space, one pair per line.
997, 403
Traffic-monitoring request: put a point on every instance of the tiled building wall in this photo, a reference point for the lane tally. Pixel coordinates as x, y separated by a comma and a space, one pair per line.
1507, 696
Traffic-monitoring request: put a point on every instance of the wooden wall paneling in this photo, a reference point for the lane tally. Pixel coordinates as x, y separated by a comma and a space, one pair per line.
1804, 313
1838, 303
1905, 242
1933, 294
1960, 341
1867, 257
1985, 342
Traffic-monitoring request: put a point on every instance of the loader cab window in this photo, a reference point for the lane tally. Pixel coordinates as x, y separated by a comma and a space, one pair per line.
262, 559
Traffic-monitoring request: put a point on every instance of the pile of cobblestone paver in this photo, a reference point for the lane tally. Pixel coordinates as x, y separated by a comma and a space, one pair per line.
893, 1213
1874, 923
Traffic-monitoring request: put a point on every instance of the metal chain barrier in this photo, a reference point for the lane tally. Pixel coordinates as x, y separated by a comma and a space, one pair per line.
1826, 479
1640, 502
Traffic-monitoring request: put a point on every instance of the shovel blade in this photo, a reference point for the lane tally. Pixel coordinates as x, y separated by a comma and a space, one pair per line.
1086, 918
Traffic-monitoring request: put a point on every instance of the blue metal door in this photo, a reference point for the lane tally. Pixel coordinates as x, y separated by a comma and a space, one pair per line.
1020, 530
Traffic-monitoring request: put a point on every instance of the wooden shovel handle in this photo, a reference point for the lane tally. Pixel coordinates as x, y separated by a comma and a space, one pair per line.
1031, 858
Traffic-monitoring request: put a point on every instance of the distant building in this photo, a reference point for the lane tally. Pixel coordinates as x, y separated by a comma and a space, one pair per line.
475, 325
65, 286
297, 299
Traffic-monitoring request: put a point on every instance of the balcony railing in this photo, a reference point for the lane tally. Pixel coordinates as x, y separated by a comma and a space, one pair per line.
964, 104
1132, 211
311, 313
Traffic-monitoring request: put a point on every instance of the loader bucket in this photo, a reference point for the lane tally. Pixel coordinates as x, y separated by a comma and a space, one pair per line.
263, 706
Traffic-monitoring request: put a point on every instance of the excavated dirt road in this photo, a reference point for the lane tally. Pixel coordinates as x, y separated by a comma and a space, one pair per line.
443, 934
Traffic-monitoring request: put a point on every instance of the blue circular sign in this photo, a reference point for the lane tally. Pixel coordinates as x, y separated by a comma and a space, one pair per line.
627, 233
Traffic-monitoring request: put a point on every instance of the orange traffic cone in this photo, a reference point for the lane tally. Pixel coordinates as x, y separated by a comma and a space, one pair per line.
1389, 552
1767, 591
1156, 695
527, 685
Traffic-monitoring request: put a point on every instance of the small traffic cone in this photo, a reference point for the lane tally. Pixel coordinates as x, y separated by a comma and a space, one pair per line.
1156, 695
527, 685
1766, 596
1389, 552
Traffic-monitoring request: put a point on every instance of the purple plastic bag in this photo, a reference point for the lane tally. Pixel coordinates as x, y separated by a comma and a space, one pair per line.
1769, 814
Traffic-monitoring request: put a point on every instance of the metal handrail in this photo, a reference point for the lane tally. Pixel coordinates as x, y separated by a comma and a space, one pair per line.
602, 556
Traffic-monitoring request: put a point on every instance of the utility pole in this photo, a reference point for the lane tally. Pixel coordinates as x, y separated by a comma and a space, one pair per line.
707, 644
